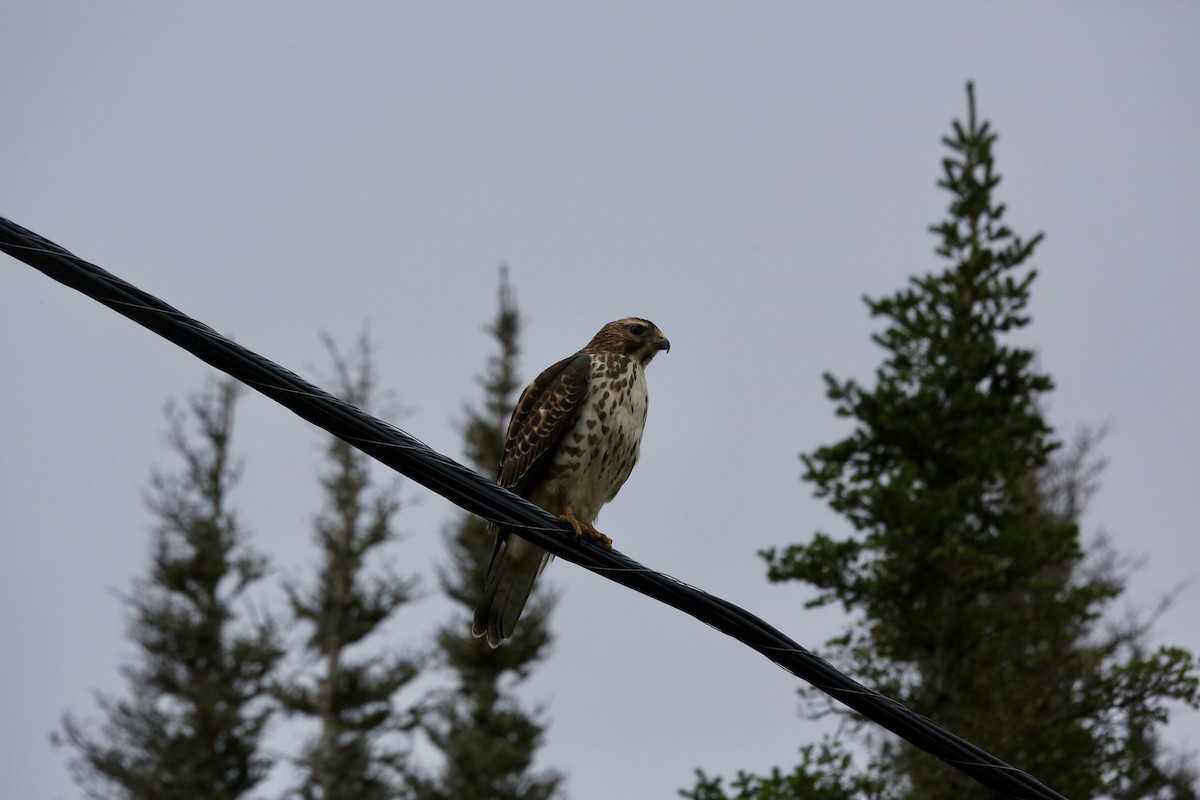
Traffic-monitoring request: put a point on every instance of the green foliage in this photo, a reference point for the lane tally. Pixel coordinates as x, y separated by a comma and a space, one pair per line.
974, 602
824, 773
354, 755
192, 725
487, 739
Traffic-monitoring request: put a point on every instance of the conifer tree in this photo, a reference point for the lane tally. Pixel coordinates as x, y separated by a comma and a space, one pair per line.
975, 602
198, 701
487, 739
357, 752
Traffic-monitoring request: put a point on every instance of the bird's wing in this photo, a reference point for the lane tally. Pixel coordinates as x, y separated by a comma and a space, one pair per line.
544, 414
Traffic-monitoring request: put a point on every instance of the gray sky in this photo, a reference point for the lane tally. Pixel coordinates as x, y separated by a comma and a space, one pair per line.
739, 173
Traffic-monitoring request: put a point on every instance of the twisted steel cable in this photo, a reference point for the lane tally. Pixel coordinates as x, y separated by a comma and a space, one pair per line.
478, 495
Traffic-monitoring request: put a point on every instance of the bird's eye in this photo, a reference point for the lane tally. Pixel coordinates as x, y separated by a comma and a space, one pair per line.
637, 330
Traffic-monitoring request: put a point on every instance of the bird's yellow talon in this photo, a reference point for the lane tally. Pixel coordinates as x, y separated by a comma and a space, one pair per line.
575, 524
585, 531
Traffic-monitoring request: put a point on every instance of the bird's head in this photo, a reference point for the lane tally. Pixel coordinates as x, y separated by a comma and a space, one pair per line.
632, 336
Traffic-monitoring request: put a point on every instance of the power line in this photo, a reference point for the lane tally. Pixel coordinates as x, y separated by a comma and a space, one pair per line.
478, 495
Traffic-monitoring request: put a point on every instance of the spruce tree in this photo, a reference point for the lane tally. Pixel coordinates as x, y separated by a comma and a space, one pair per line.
357, 752
198, 701
486, 738
974, 601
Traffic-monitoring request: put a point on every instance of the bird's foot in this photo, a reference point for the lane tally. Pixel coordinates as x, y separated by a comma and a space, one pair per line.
585, 531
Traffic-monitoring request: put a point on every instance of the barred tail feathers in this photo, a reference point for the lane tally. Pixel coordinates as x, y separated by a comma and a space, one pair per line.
506, 591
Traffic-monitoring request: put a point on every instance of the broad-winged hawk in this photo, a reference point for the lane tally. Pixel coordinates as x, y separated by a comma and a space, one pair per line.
572, 441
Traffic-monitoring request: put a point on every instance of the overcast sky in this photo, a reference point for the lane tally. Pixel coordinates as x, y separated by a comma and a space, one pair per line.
741, 174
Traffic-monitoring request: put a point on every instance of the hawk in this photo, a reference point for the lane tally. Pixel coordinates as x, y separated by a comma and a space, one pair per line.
572, 441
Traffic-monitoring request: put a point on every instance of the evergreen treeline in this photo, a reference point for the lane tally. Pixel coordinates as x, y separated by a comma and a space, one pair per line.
972, 597
211, 672
970, 594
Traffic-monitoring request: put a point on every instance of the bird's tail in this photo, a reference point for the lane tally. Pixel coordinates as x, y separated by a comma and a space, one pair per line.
508, 586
